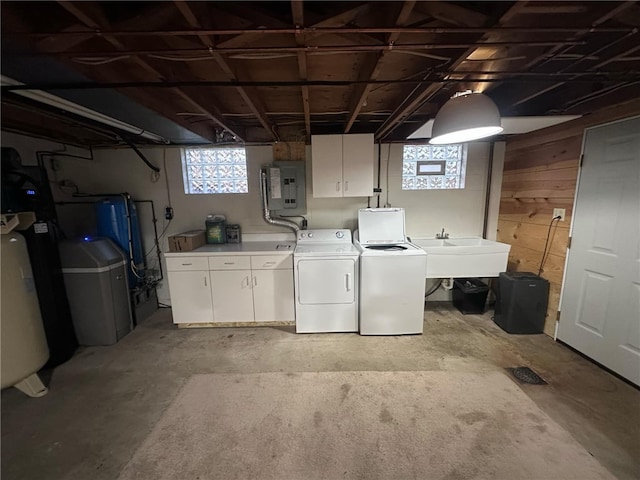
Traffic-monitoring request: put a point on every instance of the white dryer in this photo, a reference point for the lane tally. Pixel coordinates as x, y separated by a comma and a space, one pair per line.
392, 273
326, 281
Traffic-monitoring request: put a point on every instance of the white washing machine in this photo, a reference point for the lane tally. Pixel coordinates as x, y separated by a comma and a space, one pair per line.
392, 274
326, 281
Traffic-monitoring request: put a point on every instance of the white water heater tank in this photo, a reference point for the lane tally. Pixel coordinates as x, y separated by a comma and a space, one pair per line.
24, 345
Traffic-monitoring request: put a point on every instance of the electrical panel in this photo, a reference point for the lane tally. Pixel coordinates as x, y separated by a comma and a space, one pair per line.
287, 189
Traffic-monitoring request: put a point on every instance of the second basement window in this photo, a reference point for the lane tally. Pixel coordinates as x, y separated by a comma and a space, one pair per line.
214, 170
433, 167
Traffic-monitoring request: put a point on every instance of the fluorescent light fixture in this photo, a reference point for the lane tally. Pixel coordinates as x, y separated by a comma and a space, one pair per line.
465, 117
67, 106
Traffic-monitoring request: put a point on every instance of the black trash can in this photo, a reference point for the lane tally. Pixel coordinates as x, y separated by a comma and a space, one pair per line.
470, 295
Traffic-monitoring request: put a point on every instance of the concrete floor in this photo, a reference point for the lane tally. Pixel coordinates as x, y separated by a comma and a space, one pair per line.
105, 401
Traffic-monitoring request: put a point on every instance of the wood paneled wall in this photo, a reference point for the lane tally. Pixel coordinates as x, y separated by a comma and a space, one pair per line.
540, 174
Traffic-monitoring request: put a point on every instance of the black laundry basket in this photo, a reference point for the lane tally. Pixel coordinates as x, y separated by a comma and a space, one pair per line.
470, 295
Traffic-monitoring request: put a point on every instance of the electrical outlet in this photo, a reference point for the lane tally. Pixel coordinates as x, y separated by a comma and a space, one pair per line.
168, 213
559, 212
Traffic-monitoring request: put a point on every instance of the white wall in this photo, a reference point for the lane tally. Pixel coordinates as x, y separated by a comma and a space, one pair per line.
460, 212
28, 147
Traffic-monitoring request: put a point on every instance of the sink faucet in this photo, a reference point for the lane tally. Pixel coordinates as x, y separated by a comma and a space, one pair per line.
442, 234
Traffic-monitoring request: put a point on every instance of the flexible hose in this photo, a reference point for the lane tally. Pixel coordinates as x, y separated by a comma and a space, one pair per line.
266, 213
433, 288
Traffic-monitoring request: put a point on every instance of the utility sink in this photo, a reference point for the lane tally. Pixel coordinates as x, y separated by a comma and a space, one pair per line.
459, 257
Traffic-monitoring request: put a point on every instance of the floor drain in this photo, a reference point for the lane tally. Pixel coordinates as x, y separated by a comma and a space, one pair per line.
526, 375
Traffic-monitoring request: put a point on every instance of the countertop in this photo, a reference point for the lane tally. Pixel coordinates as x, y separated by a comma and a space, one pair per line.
244, 248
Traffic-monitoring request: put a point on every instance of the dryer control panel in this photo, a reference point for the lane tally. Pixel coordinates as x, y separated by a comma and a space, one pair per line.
324, 235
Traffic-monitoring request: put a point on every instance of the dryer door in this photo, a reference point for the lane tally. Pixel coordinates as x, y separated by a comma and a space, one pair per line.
326, 281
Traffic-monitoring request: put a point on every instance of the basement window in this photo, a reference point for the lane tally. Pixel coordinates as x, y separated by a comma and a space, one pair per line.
214, 170
434, 167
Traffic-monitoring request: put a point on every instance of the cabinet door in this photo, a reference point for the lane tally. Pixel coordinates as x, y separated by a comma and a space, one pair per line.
326, 165
190, 297
357, 165
232, 299
273, 295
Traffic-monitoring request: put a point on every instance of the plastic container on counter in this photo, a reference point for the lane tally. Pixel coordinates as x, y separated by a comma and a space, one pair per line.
216, 229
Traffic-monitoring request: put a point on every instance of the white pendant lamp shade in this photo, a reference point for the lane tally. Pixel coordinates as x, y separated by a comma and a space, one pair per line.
464, 118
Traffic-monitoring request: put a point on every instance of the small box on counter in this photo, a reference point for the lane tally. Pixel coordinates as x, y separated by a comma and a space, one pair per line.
233, 234
187, 241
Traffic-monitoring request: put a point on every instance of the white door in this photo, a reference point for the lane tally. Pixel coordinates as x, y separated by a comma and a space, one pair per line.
601, 296
357, 165
326, 165
273, 295
190, 297
325, 281
232, 298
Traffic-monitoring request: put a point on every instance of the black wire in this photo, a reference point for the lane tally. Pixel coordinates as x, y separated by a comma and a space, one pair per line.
159, 237
140, 154
544, 252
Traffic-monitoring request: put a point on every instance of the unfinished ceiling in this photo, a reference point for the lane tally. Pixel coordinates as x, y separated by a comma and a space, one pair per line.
281, 71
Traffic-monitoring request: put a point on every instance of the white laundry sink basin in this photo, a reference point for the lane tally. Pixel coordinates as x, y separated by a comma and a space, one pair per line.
464, 257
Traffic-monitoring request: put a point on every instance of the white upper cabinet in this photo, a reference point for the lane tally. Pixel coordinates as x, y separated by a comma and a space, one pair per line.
342, 165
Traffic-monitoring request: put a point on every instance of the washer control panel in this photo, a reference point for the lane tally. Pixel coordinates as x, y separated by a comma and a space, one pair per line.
325, 235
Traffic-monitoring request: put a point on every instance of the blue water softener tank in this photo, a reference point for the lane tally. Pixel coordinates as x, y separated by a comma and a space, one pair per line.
117, 219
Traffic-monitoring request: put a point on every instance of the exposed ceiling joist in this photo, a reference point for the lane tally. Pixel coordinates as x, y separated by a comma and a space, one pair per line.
88, 20
297, 12
452, 14
374, 67
421, 95
249, 64
523, 94
251, 98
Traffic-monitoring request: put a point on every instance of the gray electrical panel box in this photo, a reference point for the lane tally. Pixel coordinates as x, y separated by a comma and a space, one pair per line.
287, 190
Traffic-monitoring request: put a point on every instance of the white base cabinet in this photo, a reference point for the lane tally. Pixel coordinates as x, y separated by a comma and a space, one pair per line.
231, 289
190, 287
231, 292
273, 299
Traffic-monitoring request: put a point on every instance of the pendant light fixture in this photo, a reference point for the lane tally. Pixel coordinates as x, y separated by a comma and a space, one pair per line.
465, 117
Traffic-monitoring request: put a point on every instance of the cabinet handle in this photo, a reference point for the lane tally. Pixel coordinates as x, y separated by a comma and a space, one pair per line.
268, 263
348, 281
255, 281
346, 186
205, 281
229, 263
185, 264
337, 186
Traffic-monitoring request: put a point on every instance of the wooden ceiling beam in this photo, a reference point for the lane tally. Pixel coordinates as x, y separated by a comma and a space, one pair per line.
374, 67
344, 17
542, 59
452, 14
153, 17
88, 20
249, 95
422, 94
258, 18
297, 11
